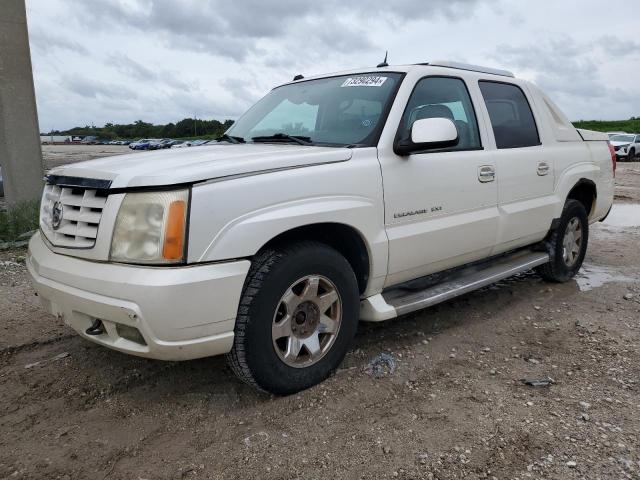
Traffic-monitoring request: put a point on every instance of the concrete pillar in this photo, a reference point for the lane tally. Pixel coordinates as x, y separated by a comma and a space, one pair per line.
20, 152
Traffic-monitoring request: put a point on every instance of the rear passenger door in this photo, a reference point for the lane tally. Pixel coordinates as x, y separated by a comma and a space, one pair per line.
524, 170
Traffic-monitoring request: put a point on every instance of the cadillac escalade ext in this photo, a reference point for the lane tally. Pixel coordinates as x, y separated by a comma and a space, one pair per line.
359, 195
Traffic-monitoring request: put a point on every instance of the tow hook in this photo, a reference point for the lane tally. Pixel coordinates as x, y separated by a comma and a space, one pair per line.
97, 328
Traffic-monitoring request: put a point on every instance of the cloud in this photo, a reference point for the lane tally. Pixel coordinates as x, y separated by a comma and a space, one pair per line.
613, 45
558, 65
160, 60
47, 43
237, 29
571, 72
132, 68
137, 71
95, 89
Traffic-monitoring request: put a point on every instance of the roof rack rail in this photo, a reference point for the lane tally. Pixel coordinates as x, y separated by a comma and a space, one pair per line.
472, 68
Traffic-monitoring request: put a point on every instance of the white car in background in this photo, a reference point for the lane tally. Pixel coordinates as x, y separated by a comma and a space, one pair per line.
626, 146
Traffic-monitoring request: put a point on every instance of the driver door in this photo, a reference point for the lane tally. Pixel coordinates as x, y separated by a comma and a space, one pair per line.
440, 205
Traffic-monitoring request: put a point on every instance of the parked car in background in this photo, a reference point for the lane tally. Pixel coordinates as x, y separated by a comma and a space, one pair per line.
155, 144
626, 146
142, 144
197, 143
406, 186
168, 143
161, 144
181, 144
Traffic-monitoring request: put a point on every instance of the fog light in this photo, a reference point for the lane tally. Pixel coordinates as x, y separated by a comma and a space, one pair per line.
130, 333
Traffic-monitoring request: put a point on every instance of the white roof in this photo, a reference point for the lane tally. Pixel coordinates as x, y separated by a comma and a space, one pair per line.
417, 66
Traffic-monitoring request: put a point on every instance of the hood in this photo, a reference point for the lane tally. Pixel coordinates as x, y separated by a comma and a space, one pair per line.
186, 165
620, 144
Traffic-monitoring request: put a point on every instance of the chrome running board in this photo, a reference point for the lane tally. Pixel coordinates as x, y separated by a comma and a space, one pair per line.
406, 298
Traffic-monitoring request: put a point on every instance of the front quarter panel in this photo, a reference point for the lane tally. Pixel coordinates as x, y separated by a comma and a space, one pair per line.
234, 218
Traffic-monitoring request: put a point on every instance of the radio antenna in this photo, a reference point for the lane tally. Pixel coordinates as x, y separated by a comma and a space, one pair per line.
384, 62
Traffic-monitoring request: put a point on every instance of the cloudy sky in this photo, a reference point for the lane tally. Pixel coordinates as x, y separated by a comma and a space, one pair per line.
104, 61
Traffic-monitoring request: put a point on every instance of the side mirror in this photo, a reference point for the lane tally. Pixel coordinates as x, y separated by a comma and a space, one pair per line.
428, 133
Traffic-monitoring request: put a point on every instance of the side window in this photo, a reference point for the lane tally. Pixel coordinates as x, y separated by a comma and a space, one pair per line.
511, 117
435, 97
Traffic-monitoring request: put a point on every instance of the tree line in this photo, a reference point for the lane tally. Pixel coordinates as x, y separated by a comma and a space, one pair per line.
190, 128
630, 126
185, 128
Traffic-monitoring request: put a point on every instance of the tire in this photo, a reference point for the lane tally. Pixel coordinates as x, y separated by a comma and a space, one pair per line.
280, 280
564, 263
631, 157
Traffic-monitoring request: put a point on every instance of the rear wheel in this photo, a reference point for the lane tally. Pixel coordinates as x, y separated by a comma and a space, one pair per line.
297, 317
567, 244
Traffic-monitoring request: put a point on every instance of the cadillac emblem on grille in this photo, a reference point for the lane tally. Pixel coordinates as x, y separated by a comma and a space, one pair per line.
56, 215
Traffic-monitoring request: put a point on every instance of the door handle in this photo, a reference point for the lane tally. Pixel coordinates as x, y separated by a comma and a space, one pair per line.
486, 173
543, 168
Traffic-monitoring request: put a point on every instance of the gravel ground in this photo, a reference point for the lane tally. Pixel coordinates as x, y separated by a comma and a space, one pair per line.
56, 155
454, 408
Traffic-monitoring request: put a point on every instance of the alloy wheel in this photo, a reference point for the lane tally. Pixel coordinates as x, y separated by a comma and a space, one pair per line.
306, 321
572, 242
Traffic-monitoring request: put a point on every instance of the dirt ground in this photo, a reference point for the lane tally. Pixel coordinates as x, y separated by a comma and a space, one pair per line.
56, 155
454, 408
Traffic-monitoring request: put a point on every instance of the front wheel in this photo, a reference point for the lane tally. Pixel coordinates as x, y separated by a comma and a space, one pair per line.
632, 155
567, 245
297, 317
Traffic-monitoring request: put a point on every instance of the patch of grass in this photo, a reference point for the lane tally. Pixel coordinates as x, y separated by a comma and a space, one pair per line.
18, 220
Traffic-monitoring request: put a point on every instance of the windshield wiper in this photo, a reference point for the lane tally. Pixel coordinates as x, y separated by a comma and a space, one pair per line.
284, 136
230, 138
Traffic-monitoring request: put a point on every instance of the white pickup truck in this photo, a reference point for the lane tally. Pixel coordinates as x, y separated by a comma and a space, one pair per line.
363, 194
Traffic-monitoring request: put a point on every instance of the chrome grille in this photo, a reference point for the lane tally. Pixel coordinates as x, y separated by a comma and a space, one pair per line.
81, 213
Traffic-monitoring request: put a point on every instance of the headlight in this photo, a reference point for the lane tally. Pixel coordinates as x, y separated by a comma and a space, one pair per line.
150, 228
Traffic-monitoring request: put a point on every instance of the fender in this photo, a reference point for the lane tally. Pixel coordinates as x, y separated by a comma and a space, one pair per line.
246, 235
235, 218
576, 174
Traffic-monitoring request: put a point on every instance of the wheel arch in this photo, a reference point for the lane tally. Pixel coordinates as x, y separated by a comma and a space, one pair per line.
346, 239
586, 192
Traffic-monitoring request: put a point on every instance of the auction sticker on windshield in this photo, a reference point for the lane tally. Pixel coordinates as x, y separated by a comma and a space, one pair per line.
368, 81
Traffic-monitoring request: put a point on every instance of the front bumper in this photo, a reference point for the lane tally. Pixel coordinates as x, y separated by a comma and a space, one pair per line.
181, 312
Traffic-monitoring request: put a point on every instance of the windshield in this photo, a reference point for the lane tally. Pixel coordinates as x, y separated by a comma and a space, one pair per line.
622, 138
344, 110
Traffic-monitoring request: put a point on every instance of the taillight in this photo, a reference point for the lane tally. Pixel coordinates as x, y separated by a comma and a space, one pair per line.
613, 157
